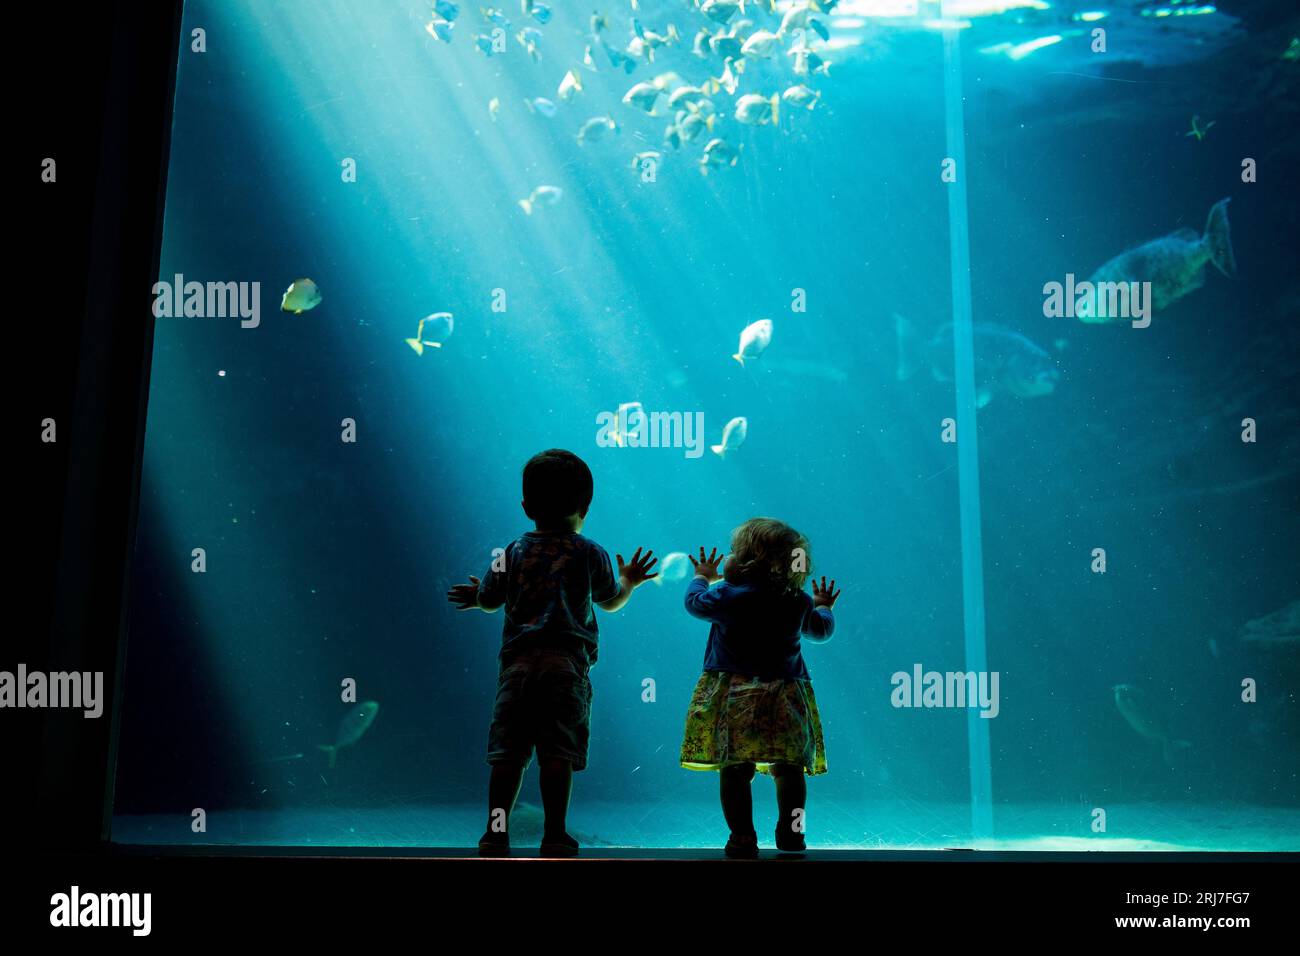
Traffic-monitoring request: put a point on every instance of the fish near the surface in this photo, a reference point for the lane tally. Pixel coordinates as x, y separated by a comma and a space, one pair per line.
301, 296
733, 436
754, 340
718, 152
760, 44
685, 96
538, 11
352, 727
720, 11
755, 110
692, 122
496, 17
796, 18
1173, 264
541, 196
439, 29
446, 9
540, 104
1136, 710
530, 39
642, 96
801, 95
571, 84
596, 129
1005, 361
432, 331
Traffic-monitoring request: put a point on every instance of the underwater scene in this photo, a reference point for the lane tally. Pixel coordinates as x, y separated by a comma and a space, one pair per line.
994, 301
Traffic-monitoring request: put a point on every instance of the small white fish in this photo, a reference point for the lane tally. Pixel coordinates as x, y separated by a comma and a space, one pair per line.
806, 62
439, 29
760, 44
541, 196
801, 95
538, 11
733, 436
685, 96
494, 107
796, 18
642, 96
301, 296
571, 84
596, 129
718, 152
755, 110
540, 104
631, 418
432, 331
692, 124
530, 39
720, 11
674, 567
754, 340
654, 40
729, 80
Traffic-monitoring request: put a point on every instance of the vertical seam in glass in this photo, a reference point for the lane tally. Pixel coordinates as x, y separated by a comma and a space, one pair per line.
972, 562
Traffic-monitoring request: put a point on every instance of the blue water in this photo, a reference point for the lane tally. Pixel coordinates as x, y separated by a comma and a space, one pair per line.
327, 560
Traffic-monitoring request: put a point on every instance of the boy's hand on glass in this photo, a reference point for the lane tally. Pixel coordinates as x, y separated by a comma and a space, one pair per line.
707, 568
464, 596
637, 572
824, 596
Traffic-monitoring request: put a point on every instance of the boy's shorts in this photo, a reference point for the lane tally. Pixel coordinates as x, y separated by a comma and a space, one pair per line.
543, 702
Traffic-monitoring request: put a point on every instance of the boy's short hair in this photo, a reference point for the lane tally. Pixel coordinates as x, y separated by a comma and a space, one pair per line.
557, 483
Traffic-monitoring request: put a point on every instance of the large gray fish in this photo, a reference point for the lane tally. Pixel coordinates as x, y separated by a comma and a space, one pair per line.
1173, 264
351, 729
1280, 627
1135, 709
1005, 361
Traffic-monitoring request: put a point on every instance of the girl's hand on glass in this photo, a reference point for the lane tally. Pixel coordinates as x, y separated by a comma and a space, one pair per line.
824, 596
707, 568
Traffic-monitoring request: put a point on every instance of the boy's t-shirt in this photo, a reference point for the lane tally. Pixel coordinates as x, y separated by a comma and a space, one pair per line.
550, 587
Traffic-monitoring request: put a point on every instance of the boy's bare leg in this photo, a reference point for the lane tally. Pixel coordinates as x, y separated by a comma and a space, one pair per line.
503, 791
556, 780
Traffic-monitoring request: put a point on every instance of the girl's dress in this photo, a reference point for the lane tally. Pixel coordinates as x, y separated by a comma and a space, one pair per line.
754, 703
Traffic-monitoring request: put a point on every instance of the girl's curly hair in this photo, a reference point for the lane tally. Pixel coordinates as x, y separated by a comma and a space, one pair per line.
768, 553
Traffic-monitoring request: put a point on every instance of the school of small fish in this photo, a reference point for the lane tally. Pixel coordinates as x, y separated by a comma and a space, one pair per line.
754, 62
729, 36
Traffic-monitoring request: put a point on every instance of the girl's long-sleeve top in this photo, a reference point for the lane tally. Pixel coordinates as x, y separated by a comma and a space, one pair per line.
756, 632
